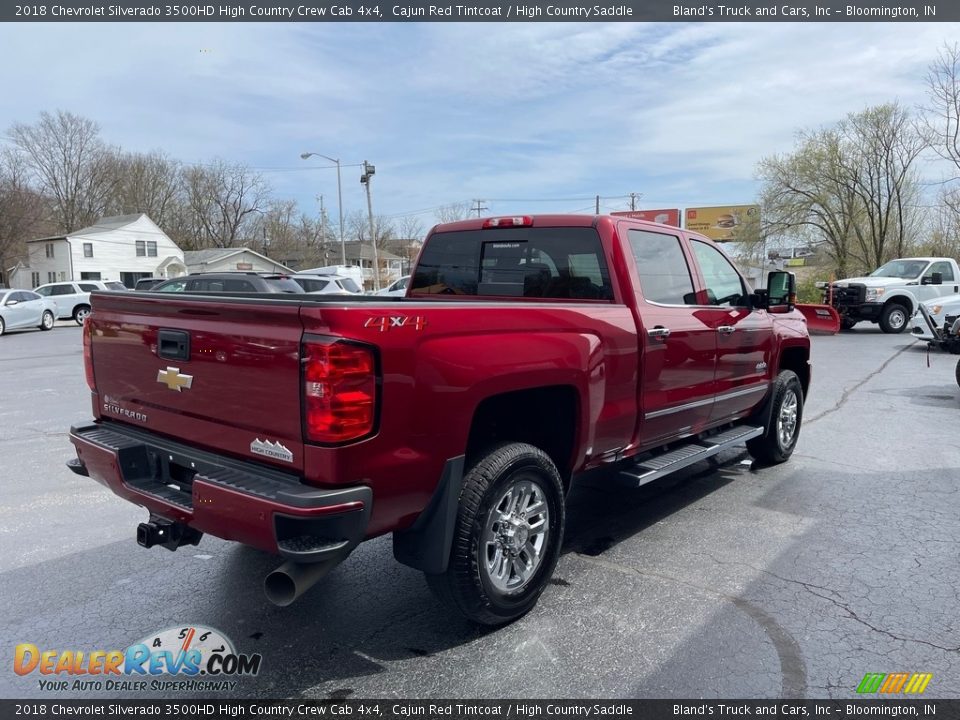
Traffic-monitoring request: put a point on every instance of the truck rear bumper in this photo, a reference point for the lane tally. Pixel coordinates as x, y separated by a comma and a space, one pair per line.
228, 498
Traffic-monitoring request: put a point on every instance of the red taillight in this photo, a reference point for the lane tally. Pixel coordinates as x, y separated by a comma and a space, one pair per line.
520, 221
88, 354
339, 391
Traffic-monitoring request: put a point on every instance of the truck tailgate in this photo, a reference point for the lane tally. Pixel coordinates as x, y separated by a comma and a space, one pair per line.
222, 373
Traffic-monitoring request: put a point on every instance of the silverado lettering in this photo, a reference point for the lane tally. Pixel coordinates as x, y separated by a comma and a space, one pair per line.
556, 345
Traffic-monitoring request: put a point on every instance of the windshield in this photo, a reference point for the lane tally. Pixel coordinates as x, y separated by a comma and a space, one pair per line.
349, 285
900, 269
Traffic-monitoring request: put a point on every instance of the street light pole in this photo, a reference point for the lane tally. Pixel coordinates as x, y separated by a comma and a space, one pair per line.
343, 247
368, 172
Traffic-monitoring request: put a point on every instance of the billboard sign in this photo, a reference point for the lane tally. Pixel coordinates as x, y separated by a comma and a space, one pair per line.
721, 223
666, 217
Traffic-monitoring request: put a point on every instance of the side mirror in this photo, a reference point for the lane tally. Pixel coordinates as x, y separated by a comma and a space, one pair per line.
781, 293
932, 279
11, 303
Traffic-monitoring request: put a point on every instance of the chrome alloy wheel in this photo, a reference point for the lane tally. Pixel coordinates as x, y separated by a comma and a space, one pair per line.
515, 536
787, 420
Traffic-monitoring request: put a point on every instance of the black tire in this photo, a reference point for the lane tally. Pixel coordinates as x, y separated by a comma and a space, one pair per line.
47, 320
780, 436
470, 585
846, 324
958, 372
3, 327
894, 318
80, 313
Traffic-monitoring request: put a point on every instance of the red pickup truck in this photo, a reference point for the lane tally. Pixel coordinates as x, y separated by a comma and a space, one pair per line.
526, 351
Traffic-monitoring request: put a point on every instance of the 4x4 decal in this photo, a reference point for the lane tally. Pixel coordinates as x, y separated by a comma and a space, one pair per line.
388, 322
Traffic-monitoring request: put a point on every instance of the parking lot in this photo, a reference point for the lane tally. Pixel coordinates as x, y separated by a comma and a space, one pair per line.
726, 581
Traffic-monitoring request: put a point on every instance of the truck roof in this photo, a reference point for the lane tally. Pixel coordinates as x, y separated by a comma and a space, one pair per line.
547, 220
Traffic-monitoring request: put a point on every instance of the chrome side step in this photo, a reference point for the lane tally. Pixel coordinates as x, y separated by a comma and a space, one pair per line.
659, 466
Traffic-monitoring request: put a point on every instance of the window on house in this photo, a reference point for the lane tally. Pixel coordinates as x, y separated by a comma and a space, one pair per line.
49, 250
88, 249
51, 277
141, 248
34, 279
151, 248
90, 276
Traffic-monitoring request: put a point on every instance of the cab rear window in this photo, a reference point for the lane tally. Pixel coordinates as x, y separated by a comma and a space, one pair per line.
515, 262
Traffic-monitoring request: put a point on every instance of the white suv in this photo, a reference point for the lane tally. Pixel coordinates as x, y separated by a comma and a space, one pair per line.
327, 284
73, 298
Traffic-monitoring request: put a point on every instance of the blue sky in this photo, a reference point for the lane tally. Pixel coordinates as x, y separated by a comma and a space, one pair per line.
530, 117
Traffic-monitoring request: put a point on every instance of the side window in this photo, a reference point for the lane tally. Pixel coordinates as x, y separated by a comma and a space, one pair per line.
238, 286
87, 287
45, 291
63, 290
944, 268
662, 267
724, 284
178, 286
27, 295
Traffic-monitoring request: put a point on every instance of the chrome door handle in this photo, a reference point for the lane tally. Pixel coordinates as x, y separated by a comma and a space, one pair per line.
725, 329
659, 332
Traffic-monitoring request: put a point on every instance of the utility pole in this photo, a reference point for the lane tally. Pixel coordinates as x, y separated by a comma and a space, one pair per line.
633, 201
368, 172
598, 205
480, 207
323, 229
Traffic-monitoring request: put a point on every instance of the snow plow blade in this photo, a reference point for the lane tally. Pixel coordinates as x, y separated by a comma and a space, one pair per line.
821, 319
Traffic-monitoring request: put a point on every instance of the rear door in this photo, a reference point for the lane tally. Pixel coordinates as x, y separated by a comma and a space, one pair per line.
223, 374
678, 346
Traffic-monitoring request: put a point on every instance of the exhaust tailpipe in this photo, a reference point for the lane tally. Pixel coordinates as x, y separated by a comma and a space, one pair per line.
293, 579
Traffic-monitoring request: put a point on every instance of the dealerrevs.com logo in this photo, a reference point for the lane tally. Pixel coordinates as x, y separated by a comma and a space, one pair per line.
186, 658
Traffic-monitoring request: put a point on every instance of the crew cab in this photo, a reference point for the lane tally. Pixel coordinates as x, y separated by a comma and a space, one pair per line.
891, 293
527, 351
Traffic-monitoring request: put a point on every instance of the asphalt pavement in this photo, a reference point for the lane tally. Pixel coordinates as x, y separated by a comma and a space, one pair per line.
725, 581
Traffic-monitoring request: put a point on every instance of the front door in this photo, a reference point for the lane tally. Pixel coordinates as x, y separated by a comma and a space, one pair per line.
744, 336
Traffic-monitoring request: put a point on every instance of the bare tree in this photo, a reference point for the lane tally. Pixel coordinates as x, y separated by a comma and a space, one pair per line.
941, 117
853, 183
453, 212
148, 183
24, 213
221, 198
70, 164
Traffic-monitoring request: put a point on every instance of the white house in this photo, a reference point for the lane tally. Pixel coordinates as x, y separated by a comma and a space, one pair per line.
124, 248
231, 260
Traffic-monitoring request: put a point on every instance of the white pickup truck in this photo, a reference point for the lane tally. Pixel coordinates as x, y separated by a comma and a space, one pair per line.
891, 293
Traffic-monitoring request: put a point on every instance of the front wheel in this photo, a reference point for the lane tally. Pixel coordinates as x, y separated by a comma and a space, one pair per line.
783, 425
847, 324
958, 372
3, 327
894, 318
507, 538
46, 322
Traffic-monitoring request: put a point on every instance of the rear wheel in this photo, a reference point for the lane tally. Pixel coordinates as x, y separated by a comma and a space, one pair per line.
847, 323
783, 426
894, 318
958, 372
80, 313
507, 538
3, 327
46, 322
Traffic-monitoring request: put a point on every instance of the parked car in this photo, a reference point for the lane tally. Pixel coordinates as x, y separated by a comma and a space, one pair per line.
395, 289
73, 298
147, 283
239, 282
529, 351
351, 271
25, 309
328, 284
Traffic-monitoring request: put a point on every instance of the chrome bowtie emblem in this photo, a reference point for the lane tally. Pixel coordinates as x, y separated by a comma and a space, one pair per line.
172, 378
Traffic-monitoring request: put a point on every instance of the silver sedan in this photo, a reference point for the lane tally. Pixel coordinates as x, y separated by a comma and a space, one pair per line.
25, 309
